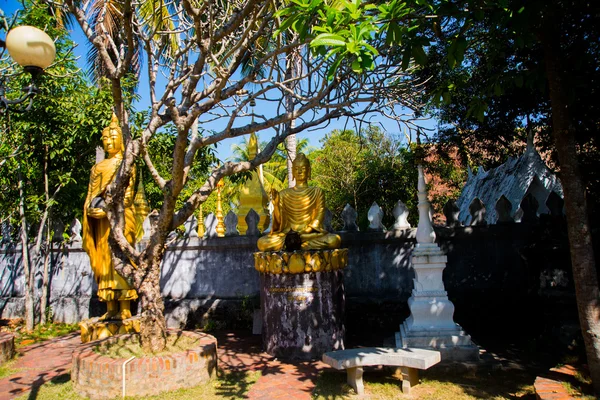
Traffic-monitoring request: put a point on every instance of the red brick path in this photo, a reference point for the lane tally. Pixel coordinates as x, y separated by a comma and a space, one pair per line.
279, 380
550, 387
39, 363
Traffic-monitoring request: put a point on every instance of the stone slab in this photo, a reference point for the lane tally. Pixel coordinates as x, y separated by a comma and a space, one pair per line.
303, 314
411, 358
452, 347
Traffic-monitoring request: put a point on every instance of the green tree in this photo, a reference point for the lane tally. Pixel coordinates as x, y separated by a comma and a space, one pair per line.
204, 83
361, 169
534, 64
561, 35
44, 152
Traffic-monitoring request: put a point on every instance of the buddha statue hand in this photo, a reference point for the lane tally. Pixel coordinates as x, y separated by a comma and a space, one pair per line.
274, 195
98, 202
97, 208
97, 213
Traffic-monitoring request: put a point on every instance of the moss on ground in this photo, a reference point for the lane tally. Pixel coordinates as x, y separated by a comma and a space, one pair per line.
232, 385
42, 332
130, 346
381, 384
8, 368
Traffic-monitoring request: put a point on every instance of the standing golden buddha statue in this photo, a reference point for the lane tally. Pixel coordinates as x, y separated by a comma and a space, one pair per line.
299, 211
112, 288
253, 195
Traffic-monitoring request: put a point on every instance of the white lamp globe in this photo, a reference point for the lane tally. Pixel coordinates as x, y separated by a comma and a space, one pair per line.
30, 47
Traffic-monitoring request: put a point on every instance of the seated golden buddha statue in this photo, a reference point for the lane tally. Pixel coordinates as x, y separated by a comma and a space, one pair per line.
299, 213
112, 288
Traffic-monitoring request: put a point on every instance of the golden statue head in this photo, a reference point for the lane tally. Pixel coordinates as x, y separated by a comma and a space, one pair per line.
301, 168
252, 146
112, 137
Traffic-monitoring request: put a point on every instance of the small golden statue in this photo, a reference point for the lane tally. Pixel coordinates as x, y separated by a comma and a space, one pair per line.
112, 288
298, 216
253, 195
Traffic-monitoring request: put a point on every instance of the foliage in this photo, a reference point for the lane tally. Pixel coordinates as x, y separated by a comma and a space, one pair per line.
344, 30
489, 102
361, 169
160, 149
42, 150
204, 70
61, 129
540, 59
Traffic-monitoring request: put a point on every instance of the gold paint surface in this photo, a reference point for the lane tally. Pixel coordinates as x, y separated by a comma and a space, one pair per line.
112, 288
300, 209
95, 328
253, 195
301, 261
219, 214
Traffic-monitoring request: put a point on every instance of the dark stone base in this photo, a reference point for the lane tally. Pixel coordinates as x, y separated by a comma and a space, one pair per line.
303, 314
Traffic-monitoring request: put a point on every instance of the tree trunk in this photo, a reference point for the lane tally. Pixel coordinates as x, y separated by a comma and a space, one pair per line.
290, 141
578, 227
27, 267
44, 296
44, 311
153, 329
290, 147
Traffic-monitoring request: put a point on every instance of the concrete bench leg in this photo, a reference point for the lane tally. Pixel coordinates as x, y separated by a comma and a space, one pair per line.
355, 380
410, 377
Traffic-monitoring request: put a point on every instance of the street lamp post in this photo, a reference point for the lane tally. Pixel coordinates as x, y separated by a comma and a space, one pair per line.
34, 50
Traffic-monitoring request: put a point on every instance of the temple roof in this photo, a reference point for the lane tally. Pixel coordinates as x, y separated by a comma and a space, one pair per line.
514, 179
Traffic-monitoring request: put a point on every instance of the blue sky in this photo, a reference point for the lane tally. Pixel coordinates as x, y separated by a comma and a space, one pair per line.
224, 148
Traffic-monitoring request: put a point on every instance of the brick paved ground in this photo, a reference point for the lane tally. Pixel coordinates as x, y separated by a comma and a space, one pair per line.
38, 364
550, 387
42, 362
279, 380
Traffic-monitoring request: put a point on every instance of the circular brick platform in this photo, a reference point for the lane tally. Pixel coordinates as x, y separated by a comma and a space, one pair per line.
7, 346
101, 377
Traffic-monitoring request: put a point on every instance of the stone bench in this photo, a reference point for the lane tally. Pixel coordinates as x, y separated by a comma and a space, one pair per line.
410, 361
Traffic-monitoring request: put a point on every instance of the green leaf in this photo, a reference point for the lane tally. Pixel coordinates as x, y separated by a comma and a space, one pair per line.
328, 39
406, 58
447, 97
419, 54
333, 68
498, 90
519, 81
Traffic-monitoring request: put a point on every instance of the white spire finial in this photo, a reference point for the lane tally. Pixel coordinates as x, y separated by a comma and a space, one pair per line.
425, 232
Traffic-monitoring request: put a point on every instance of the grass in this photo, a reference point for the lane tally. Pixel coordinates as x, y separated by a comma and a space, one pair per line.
42, 332
576, 390
580, 386
233, 385
8, 368
435, 384
125, 348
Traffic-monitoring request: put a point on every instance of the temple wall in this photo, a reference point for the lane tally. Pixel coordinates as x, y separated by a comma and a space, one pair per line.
215, 278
